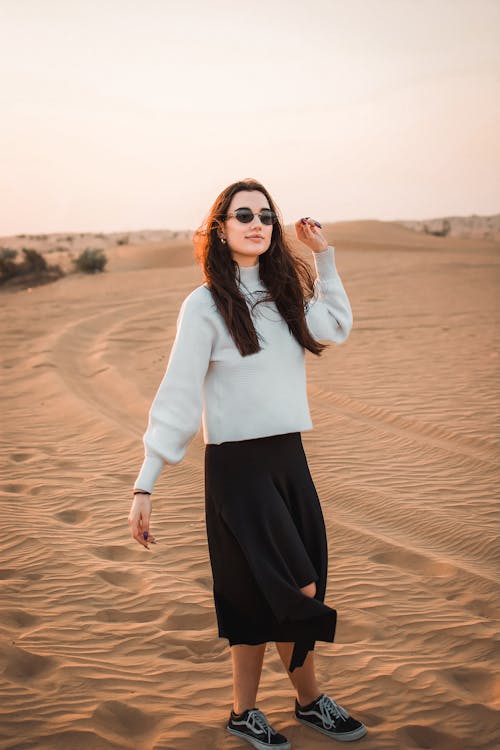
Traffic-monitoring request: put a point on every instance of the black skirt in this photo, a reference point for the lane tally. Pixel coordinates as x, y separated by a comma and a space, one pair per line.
267, 539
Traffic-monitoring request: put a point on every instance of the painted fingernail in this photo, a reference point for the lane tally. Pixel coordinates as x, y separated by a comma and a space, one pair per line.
303, 221
318, 224
145, 534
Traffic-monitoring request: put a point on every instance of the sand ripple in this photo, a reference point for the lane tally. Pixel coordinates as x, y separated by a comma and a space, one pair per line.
106, 645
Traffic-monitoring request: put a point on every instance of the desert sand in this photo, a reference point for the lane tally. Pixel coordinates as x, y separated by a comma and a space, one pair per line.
104, 644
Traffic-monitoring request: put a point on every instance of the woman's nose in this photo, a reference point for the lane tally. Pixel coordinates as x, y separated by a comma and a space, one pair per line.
257, 221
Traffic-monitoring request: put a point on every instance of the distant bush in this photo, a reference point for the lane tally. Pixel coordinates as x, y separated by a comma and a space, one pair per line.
34, 261
122, 241
33, 269
443, 232
7, 266
90, 261
7, 252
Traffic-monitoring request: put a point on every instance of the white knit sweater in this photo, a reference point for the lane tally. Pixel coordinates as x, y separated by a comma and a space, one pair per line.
236, 397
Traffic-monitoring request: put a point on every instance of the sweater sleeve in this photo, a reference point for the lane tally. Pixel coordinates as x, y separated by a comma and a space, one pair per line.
329, 315
175, 413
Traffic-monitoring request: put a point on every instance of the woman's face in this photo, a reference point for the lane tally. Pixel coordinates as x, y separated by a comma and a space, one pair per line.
245, 251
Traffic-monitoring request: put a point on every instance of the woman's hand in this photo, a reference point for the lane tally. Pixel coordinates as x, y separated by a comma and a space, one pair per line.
138, 520
308, 233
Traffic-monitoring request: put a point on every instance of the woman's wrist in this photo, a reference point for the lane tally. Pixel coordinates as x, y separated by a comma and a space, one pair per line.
321, 249
141, 492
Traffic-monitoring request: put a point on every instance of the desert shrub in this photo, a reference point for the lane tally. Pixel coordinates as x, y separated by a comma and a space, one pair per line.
7, 253
33, 261
122, 241
7, 265
443, 232
90, 261
33, 269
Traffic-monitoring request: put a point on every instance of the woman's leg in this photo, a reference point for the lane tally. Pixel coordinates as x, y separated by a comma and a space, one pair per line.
303, 678
247, 668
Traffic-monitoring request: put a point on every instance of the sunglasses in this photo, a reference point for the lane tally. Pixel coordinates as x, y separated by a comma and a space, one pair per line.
246, 215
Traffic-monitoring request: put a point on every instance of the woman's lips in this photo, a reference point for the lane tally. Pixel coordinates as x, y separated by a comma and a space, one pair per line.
255, 239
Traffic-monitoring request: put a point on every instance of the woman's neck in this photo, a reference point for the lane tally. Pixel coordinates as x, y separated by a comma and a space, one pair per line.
250, 275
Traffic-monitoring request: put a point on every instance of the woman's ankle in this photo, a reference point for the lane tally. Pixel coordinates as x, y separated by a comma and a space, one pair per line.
307, 698
242, 710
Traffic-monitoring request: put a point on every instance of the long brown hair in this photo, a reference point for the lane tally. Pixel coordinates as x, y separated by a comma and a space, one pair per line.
288, 278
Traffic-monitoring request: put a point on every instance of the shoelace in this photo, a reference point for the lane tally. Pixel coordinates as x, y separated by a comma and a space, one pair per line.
330, 710
257, 720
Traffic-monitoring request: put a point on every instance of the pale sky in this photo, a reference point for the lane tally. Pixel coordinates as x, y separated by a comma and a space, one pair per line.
135, 114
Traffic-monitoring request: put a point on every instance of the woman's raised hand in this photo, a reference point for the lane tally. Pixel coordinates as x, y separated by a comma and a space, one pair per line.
139, 518
309, 233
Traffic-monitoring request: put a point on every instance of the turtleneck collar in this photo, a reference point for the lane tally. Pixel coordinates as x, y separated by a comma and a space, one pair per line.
250, 276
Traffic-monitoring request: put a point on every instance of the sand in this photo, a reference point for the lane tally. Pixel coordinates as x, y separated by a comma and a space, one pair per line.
104, 644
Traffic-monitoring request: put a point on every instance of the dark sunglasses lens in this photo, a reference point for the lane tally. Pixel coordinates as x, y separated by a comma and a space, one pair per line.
267, 217
244, 215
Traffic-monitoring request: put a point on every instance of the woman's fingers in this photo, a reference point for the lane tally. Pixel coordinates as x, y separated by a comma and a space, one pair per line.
305, 229
307, 232
301, 227
311, 222
139, 518
137, 532
307, 221
145, 535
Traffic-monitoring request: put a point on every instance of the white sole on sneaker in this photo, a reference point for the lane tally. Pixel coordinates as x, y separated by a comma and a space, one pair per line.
356, 734
257, 743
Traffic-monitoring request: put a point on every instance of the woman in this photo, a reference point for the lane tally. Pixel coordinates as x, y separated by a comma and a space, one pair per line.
238, 365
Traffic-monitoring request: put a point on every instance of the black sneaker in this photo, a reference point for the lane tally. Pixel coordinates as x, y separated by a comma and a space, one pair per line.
325, 715
253, 727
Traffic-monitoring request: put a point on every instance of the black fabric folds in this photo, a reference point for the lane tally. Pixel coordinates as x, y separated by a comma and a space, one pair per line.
267, 539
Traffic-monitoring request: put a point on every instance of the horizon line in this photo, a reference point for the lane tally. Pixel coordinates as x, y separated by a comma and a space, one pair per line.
20, 235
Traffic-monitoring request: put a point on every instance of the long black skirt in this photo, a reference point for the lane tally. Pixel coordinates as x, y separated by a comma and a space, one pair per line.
267, 540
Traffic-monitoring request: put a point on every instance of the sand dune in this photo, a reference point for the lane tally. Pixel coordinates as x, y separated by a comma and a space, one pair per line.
104, 644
